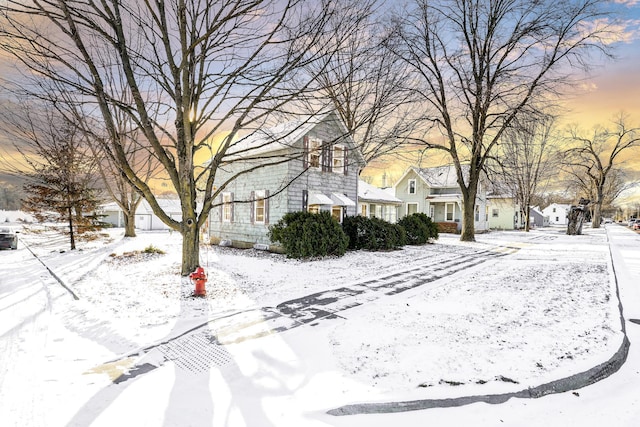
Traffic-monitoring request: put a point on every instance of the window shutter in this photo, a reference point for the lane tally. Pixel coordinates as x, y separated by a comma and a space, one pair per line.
232, 205
266, 207
221, 207
305, 152
345, 161
324, 157
329, 158
305, 200
252, 214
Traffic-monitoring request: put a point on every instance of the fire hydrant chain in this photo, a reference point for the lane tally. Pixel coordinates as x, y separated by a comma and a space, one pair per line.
199, 278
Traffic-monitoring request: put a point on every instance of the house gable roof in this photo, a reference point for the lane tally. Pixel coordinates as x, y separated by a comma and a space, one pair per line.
285, 136
436, 177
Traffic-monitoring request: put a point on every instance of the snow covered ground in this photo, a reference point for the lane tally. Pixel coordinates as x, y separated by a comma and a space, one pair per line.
532, 307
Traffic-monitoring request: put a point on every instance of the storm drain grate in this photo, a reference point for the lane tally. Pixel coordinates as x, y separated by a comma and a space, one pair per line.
196, 352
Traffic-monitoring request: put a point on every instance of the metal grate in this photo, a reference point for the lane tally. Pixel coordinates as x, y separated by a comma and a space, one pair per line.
196, 352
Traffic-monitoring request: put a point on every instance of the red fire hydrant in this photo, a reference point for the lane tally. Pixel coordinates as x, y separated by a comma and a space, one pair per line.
199, 277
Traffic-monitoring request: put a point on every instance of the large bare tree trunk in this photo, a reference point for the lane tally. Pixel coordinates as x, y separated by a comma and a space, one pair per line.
190, 248
468, 213
130, 223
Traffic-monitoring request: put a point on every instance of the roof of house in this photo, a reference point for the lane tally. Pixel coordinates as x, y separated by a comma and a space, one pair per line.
370, 193
440, 176
168, 205
285, 135
559, 205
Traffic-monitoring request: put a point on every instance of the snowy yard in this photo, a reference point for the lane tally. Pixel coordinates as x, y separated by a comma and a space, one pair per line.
545, 308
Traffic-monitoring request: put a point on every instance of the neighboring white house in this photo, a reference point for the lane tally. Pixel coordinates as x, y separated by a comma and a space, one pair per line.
377, 202
145, 218
435, 192
557, 213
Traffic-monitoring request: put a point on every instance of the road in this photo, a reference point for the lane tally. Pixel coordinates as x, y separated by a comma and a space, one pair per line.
25, 314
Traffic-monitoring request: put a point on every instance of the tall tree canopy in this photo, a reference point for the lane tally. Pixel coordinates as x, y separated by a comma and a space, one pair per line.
478, 64
595, 158
190, 71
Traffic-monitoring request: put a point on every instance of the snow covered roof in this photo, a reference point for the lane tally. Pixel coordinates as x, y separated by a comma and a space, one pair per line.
440, 176
167, 205
285, 136
369, 193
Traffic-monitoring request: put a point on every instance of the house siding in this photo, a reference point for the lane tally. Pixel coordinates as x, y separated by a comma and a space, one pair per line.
402, 193
507, 211
242, 229
285, 183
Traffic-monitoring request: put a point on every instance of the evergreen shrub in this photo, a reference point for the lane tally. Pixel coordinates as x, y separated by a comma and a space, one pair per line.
304, 235
373, 234
419, 228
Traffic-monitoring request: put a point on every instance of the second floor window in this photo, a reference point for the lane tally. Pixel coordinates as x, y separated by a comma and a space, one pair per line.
315, 153
338, 159
412, 186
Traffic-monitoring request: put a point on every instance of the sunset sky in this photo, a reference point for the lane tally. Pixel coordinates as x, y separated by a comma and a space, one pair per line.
611, 87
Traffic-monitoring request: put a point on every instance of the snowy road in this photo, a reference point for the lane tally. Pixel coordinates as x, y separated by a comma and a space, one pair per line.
25, 311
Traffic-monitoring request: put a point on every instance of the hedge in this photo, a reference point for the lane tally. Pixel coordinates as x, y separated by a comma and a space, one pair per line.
304, 235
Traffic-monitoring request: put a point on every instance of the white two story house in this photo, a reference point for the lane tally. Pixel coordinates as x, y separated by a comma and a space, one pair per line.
435, 192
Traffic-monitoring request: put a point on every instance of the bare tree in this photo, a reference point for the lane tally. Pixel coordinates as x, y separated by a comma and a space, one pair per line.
478, 65
527, 156
594, 161
61, 170
193, 70
366, 86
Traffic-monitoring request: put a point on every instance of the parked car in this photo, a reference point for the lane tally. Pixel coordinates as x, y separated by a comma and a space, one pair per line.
631, 222
636, 225
8, 238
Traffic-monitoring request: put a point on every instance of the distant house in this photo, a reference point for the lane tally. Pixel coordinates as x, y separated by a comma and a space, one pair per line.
310, 164
504, 212
435, 192
145, 218
537, 218
557, 213
377, 202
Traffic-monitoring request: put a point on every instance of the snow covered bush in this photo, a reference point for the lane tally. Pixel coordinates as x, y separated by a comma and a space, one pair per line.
304, 235
373, 234
419, 228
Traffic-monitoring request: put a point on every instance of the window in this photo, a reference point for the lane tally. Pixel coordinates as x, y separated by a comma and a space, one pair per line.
412, 186
557, 219
314, 209
448, 211
495, 213
227, 207
336, 213
315, 153
432, 211
363, 210
486, 213
338, 159
379, 211
260, 207
412, 208
477, 213
554, 210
